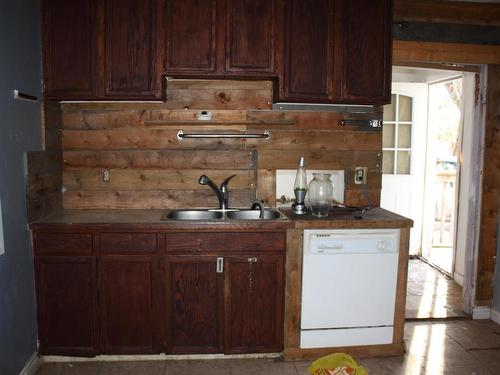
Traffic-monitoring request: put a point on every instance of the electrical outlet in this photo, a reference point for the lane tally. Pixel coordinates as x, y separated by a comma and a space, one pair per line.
204, 115
360, 175
106, 175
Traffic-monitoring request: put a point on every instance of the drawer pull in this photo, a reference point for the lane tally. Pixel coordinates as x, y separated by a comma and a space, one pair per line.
220, 264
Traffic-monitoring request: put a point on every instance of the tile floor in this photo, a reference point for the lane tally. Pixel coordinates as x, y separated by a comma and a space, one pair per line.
452, 347
430, 294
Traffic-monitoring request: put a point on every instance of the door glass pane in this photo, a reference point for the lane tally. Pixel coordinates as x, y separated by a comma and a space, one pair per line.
403, 165
390, 110
404, 113
388, 136
388, 162
404, 135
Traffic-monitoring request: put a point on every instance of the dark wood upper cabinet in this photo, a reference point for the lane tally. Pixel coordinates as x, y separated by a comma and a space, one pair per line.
254, 296
319, 51
366, 45
191, 36
70, 47
308, 50
66, 301
193, 305
250, 36
128, 305
131, 62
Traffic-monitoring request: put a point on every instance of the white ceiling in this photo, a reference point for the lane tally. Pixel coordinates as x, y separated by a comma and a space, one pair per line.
420, 75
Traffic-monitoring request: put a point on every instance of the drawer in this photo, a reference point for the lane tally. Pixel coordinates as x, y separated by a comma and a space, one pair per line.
63, 243
126, 242
217, 242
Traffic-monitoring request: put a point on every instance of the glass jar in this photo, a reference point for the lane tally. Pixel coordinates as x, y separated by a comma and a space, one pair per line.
320, 194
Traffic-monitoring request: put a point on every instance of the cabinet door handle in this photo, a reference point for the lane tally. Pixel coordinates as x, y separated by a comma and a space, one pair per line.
220, 264
252, 260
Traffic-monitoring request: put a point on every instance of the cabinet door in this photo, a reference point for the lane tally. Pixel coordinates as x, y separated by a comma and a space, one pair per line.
193, 305
69, 46
131, 63
66, 301
250, 36
253, 303
308, 65
128, 308
191, 36
366, 33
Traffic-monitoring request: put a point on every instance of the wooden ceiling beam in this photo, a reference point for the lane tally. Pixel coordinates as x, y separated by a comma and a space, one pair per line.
456, 12
445, 52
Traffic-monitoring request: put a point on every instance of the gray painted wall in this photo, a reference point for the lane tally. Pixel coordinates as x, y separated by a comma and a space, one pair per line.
20, 60
496, 296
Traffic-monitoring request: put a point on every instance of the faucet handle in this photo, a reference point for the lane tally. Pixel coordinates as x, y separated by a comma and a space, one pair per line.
224, 184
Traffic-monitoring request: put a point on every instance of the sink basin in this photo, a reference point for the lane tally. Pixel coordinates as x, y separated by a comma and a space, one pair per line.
253, 215
194, 215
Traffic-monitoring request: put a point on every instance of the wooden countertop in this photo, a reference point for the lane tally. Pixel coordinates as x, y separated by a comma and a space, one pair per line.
151, 219
374, 218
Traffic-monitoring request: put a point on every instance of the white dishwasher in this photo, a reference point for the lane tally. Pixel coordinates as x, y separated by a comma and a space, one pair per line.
349, 281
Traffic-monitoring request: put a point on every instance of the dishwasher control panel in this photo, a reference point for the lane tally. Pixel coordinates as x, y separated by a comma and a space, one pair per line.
350, 241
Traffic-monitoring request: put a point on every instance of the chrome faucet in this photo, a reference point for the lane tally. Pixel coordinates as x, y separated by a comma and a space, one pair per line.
221, 192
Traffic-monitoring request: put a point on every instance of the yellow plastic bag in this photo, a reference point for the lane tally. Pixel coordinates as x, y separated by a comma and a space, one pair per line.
336, 364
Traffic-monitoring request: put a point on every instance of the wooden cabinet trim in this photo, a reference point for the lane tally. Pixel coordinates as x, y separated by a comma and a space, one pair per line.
128, 242
62, 243
230, 242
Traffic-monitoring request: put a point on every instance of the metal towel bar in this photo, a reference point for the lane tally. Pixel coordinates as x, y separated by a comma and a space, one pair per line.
181, 135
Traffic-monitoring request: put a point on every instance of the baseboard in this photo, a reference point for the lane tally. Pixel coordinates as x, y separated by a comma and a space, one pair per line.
459, 279
32, 366
481, 312
155, 357
495, 316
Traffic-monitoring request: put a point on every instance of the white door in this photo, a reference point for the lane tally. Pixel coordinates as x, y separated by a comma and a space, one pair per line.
404, 135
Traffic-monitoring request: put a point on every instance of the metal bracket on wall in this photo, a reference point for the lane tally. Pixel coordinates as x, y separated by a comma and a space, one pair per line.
368, 124
181, 135
16, 94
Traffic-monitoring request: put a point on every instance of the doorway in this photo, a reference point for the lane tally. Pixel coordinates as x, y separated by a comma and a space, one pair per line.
422, 145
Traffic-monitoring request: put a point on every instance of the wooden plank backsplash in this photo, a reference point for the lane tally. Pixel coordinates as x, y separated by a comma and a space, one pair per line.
150, 168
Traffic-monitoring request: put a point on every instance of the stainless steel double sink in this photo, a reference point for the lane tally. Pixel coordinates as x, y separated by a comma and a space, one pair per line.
232, 214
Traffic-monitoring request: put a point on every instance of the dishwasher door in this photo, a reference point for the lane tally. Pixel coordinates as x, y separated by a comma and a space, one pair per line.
349, 278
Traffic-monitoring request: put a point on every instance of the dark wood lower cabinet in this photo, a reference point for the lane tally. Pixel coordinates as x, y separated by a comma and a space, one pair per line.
66, 300
236, 310
193, 305
174, 295
128, 304
254, 288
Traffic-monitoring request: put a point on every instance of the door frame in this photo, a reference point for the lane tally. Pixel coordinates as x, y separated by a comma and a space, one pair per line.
473, 188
